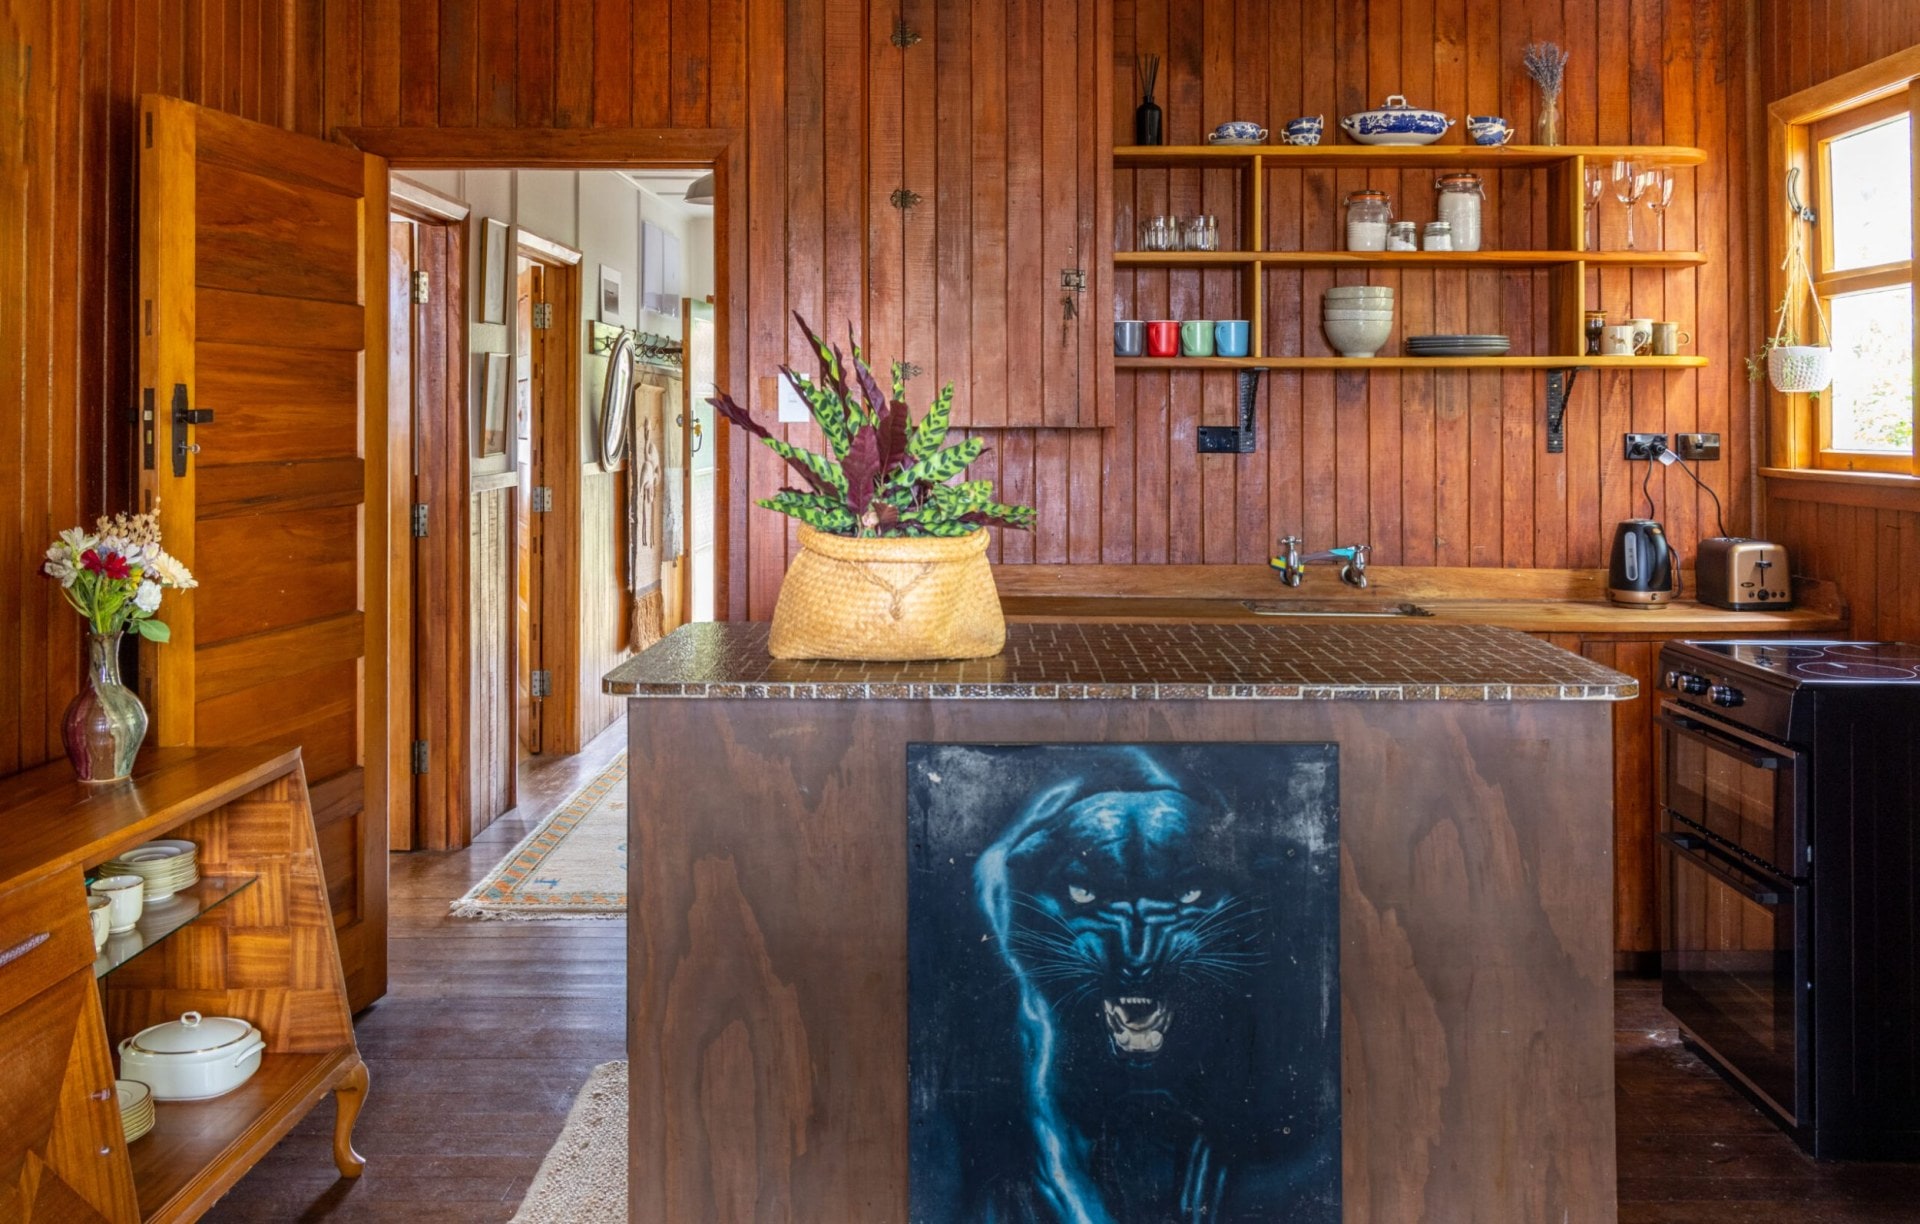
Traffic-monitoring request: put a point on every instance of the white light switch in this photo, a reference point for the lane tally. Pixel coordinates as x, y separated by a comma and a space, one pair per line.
793, 409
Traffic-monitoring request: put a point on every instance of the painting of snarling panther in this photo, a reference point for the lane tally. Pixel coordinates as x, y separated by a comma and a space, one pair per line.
1124, 983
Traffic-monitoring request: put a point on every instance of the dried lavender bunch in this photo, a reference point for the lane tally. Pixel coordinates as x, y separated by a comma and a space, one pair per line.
1546, 63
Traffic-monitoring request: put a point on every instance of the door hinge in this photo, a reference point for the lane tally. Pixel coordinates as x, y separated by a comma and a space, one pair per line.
1074, 280
419, 756
542, 683
419, 520
542, 315
421, 294
542, 499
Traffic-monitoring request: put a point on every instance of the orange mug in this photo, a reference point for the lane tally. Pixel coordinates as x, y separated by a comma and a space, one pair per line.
1163, 338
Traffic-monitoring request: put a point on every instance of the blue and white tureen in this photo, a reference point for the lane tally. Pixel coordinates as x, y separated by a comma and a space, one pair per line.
1396, 123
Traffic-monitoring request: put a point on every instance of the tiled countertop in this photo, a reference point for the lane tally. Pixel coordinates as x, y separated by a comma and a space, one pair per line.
1131, 662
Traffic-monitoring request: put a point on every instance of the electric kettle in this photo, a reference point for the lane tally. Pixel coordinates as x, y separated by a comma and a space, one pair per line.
1641, 571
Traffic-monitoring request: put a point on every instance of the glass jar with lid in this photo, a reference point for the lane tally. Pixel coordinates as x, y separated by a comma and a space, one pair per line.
1459, 206
1368, 213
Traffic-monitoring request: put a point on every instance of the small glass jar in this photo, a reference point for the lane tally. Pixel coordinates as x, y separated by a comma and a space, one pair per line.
1368, 213
1203, 233
1439, 236
1403, 236
1160, 234
1459, 206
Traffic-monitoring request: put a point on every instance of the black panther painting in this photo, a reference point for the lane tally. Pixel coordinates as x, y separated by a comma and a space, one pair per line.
1124, 983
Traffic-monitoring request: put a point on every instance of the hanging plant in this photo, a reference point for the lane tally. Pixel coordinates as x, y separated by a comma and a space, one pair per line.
1795, 368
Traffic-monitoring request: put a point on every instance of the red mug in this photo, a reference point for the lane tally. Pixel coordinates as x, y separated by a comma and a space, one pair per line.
1163, 338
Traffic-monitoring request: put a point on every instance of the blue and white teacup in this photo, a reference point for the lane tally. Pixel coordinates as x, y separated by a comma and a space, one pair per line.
1305, 130
1239, 130
1488, 129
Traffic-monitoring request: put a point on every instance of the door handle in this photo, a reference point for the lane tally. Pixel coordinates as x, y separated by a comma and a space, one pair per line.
184, 416
1719, 743
1695, 850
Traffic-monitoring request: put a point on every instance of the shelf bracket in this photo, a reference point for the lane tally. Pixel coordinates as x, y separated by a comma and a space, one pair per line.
1234, 439
1559, 388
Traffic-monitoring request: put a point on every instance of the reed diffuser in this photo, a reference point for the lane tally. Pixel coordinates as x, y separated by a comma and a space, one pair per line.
1146, 116
1546, 63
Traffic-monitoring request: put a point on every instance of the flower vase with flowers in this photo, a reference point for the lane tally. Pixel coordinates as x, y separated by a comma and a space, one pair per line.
113, 576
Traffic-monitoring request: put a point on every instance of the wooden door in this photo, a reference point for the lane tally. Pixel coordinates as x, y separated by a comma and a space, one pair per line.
263, 299
531, 389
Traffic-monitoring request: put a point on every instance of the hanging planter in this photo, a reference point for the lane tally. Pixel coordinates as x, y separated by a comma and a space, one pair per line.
1794, 368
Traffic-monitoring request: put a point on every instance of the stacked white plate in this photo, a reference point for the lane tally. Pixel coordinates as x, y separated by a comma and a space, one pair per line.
136, 1107
1357, 318
1482, 345
166, 865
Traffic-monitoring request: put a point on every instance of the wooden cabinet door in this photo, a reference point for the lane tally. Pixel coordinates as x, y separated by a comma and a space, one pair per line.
263, 285
62, 1158
997, 278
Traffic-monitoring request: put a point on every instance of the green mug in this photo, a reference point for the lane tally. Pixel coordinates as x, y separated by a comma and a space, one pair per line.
1196, 338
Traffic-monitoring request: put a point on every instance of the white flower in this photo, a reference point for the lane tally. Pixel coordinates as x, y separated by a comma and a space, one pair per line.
60, 566
165, 568
75, 539
147, 597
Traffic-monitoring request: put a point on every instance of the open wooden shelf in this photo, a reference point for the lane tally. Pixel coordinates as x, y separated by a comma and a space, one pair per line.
1394, 260
198, 1149
1434, 156
1363, 364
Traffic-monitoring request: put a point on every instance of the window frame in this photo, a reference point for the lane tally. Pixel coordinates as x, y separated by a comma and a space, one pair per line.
1800, 129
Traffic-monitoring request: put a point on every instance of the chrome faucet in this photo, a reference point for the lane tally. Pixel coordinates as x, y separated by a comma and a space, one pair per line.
1291, 565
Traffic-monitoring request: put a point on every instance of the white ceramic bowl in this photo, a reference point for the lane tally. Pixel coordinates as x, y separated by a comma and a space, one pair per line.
1357, 337
1340, 291
194, 1058
1359, 316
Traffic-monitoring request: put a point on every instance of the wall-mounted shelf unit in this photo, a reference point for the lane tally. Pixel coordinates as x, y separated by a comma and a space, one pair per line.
1565, 260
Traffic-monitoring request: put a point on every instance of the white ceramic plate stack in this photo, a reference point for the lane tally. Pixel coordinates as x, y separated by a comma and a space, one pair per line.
166, 865
136, 1107
1458, 346
1357, 318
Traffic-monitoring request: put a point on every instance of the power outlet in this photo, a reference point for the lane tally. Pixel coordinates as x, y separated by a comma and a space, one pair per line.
1640, 445
1697, 446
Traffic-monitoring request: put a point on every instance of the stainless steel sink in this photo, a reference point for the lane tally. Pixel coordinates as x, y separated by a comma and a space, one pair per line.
1345, 609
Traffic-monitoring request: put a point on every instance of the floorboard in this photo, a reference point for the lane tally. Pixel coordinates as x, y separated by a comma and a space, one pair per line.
489, 1029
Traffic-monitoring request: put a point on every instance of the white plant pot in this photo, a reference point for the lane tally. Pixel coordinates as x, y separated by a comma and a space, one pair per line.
1800, 368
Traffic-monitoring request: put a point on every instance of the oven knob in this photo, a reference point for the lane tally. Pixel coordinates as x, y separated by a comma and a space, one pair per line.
1726, 695
1686, 682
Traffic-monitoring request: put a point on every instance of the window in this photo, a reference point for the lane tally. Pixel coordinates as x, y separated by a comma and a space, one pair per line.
1861, 163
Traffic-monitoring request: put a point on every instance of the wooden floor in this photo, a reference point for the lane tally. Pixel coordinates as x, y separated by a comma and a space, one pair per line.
489, 1028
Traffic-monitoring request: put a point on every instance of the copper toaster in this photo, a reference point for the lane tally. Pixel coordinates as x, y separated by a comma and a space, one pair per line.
1742, 575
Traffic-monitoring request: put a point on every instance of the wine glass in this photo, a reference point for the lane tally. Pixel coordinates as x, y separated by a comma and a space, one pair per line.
1594, 180
1659, 195
1630, 183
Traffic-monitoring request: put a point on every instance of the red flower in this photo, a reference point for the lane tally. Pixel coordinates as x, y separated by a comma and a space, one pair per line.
113, 565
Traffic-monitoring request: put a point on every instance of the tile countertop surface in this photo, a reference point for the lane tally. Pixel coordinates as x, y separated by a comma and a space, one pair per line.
1130, 662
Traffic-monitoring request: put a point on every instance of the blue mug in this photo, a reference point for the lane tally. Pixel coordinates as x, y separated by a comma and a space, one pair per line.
1305, 130
1240, 130
1230, 338
1129, 337
1488, 129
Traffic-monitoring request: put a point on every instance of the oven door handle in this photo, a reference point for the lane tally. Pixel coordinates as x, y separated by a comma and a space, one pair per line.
1719, 743
1696, 849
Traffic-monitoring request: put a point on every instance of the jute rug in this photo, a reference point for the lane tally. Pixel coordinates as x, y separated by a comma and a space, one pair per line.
573, 866
583, 1180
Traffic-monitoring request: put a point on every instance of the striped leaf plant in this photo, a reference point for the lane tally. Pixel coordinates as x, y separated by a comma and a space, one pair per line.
885, 474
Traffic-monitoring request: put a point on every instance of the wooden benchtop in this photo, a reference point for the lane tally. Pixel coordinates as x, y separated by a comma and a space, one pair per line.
1530, 600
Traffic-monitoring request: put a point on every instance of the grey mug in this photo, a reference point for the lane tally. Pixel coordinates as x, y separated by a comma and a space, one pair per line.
1129, 338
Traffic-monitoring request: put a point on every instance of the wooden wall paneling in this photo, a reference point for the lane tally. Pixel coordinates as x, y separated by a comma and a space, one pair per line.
614, 53
603, 619
495, 753
887, 218
533, 82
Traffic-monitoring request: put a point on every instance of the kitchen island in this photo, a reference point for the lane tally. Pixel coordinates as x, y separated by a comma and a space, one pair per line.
769, 898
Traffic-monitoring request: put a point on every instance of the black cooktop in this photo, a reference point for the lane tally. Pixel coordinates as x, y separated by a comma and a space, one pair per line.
1820, 662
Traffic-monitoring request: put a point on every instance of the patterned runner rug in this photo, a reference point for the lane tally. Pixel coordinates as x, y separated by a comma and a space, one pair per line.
583, 1180
573, 866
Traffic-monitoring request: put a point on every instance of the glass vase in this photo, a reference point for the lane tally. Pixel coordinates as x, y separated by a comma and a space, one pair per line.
106, 722
1546, 127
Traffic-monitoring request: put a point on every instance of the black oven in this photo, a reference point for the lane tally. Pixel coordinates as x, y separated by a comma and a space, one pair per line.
1734, 968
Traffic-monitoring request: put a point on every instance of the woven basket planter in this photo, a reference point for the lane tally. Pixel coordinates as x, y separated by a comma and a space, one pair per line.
878, 599
1799, 367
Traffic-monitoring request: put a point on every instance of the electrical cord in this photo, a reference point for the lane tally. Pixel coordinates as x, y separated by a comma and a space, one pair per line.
1657, 450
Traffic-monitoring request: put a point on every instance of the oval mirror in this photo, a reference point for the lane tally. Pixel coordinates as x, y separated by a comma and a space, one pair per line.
616, 401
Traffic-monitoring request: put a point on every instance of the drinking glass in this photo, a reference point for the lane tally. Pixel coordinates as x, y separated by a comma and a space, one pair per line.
1159, 234
1595, 182
1203, 233
1659, 195
1630, 183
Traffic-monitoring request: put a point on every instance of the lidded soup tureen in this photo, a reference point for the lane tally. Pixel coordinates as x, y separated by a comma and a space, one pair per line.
1397, 123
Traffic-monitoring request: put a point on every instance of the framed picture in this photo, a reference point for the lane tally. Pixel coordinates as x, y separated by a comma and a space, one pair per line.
1123, 982
609, 294
493, 272
495, 387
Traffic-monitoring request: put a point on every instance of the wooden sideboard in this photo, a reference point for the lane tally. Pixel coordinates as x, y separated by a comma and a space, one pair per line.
254, 939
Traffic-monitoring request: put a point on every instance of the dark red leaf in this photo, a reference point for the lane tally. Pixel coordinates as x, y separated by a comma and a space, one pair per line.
725, 406
862, 468
870, 387
894, 435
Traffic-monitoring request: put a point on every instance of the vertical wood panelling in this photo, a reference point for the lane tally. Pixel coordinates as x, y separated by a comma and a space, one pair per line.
1868, 550
491, 614
603, 596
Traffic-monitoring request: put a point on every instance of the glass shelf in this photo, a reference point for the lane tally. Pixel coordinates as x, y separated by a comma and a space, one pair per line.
162, 918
